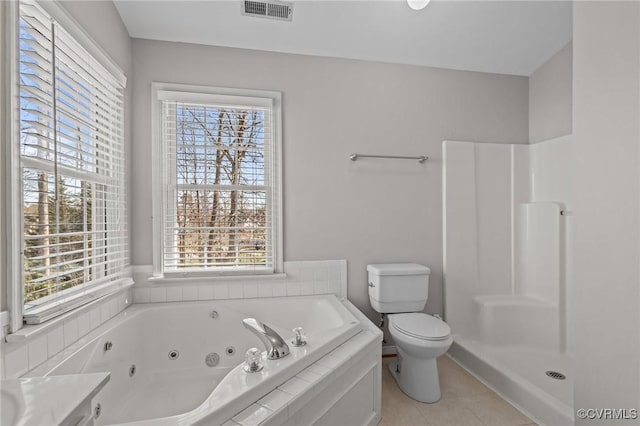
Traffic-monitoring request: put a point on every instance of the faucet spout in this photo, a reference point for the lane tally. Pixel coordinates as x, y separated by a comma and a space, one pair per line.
275, 345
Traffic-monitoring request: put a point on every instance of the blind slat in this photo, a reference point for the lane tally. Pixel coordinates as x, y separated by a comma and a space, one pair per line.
106, 105
39, 164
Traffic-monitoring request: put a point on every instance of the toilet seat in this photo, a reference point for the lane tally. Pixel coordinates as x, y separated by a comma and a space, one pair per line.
420, 326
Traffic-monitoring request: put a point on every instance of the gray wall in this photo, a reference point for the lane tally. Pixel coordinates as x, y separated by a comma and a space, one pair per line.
606, 122
102, 22
550, 97
368, 211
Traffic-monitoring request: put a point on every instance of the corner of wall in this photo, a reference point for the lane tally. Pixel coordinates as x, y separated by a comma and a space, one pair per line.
551, 97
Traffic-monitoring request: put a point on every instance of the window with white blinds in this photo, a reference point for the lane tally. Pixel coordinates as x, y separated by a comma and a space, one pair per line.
71, 165
220, 177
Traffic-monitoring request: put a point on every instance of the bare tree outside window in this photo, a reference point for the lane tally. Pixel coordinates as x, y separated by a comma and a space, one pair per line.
220, 214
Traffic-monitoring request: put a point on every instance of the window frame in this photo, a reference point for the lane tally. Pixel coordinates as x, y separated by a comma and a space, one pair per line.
13, 223
208, 94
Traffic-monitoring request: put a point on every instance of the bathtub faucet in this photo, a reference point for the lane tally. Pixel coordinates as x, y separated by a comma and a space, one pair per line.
275, 345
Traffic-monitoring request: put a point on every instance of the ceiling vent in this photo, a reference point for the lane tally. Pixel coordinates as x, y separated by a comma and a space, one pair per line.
281, 11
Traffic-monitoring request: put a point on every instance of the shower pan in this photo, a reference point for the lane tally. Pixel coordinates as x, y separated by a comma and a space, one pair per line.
507, 221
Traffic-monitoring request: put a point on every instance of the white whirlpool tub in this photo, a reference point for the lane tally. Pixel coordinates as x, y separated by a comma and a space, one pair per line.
160, 375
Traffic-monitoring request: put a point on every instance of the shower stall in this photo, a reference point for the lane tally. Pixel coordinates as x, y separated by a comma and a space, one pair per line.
507, 224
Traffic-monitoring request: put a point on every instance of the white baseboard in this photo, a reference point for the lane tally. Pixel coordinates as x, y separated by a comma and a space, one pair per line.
389, 350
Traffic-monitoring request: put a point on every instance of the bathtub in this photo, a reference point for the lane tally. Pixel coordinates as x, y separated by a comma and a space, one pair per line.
182, 363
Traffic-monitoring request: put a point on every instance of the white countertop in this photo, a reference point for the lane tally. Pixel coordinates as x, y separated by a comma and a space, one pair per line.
47, 400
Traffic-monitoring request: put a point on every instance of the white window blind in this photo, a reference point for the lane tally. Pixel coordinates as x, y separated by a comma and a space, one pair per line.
220, 174
72, 166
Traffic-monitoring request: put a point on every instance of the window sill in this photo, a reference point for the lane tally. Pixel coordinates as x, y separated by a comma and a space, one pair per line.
30, 331
179, 278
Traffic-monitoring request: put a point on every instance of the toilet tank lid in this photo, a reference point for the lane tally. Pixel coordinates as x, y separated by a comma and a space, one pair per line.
398, 269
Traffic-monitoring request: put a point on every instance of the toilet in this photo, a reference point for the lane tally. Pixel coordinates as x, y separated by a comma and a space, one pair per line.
401, 290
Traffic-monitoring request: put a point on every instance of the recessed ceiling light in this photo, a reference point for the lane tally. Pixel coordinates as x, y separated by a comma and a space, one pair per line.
418, 4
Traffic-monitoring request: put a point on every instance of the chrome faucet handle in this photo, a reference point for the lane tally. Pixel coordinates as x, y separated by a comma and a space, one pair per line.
299, 339
253, 361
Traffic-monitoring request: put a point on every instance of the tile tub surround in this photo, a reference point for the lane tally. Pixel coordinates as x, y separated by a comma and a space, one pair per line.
300, 278
303, 278
58, 334
465, 402
300, 400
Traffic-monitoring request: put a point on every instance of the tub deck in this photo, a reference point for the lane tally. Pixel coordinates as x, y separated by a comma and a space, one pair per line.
184, 390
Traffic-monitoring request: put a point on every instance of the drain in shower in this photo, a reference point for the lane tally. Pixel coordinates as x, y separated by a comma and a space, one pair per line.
555, 375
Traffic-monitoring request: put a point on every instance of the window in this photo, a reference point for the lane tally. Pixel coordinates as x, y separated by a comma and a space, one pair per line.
220, 190
72, 171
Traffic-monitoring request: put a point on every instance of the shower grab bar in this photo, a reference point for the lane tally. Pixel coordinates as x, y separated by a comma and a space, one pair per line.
421, 158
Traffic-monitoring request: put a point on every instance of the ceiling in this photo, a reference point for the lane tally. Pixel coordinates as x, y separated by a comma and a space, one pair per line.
505, 37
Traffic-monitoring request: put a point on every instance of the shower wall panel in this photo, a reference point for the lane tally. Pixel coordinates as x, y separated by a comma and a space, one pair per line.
505, 239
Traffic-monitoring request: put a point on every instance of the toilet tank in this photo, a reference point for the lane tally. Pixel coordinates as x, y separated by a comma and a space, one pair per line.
398, 287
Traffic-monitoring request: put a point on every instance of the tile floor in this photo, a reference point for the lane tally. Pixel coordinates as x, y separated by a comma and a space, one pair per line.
465, 402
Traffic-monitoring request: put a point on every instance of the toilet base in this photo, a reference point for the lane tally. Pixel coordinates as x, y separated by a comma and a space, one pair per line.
418, 378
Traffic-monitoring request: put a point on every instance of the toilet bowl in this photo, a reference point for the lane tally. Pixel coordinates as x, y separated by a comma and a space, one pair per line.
400, 290
419, 339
